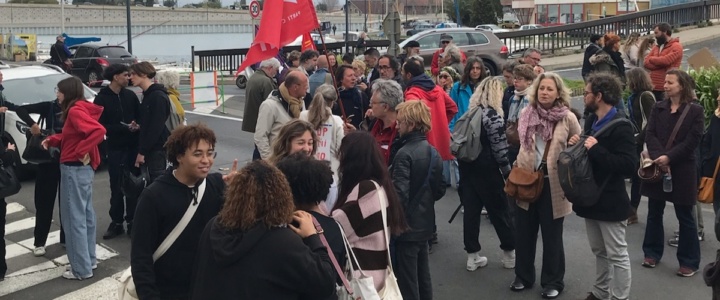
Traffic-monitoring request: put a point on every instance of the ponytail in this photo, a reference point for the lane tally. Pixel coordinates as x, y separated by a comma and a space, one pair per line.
319, 110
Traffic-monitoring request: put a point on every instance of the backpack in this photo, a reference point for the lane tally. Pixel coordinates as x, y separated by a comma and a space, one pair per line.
576, 173
465, 142
174, 120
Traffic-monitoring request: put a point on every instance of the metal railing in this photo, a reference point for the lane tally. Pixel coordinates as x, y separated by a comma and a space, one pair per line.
570, 37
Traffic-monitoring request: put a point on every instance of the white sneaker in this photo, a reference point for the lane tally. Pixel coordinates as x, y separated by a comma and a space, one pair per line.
475, 261
483, 212
508, 259
462, 210
69, 275
68, 268
39, 251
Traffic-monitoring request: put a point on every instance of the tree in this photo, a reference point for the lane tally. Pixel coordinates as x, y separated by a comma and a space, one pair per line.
474, 12
331, 5
321, 7
169, 3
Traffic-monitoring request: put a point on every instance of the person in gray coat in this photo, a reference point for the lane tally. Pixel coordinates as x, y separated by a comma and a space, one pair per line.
258, 88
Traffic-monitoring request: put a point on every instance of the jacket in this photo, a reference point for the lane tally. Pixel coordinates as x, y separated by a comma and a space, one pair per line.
81, 134
681, 152
602, 62
258, 88
589, 51
154, 112
494, 157
435, 64
329, 138
275, 112
319, 77
119, 108
460, 94
50, 112
261, 263
58, 54
710, 152
613, 159
354, 102
632, 56
160, 208
508, 95
659, 61
526, 159
635, 112
442, 108
418, 179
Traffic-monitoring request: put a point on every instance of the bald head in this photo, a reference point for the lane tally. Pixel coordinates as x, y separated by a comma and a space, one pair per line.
323, 62
296, 83
294, 77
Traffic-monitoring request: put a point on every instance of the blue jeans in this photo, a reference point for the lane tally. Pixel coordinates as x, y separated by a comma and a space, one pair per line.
78, 217
450, 168
688, 252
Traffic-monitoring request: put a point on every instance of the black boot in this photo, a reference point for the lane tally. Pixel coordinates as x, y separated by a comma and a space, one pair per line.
114, 230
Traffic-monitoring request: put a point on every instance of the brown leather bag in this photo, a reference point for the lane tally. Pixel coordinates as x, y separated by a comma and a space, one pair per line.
525, 185
511, 132
706, 190
649, 172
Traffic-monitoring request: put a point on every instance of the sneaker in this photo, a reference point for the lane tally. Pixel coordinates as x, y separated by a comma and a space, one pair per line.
68, 268
686, 272
508, 259
39, 251
114, 230
483, 212
701, 236
649, 262
475, 261
462, 210
673, 242
69, 275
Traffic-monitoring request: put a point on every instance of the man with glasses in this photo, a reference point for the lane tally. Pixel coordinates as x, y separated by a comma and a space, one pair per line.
445, 39
532, 57
387, 94
390, 69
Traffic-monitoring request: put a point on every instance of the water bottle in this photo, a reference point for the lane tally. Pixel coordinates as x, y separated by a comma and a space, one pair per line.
667, 183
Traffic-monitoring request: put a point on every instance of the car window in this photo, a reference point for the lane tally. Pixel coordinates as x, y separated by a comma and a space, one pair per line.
460, 38
429, 41
113, 52
35, 89
83, 52
479, 38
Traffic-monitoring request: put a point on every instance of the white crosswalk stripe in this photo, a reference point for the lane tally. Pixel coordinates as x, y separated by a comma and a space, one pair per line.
26, 271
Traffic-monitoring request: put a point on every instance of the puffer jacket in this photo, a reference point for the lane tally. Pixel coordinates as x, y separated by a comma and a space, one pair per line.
602, 62
442, 109
658, 62
415, 162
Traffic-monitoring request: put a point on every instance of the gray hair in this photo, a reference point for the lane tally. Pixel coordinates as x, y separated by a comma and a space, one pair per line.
270, 62
389, 91
529, 51
417, 57
169, 79
327, 91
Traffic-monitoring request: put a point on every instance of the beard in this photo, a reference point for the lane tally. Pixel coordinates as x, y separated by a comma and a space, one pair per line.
661, 40
591, 107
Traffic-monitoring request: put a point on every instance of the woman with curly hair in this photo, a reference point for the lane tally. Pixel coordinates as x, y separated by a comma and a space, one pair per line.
447, 78
295, 136
258, 248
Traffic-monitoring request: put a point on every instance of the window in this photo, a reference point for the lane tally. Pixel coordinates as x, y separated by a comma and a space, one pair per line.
542, 14
552, 14
565, 14
113, 52
577, 13
430, 41
83, 52
460, 38
479, 38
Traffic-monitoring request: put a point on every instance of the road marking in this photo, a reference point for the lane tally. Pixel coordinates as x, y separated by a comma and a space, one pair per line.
213, 116
20, 225
107, 288
14, 207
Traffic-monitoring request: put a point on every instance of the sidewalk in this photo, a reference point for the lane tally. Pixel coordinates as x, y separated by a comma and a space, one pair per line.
688, 36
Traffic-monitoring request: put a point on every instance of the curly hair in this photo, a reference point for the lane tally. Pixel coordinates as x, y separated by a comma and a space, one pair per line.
291, 130
309, 178
488, 93
184, 137
607, 84
562, 90
259, 193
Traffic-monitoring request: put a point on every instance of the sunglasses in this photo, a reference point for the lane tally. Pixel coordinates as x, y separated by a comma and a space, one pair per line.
444, 76
445, 42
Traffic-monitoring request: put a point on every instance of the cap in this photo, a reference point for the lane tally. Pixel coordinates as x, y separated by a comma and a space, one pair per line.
412, 44
446, 37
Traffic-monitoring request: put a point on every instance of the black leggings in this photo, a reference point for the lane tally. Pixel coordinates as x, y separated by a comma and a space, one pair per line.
47, 186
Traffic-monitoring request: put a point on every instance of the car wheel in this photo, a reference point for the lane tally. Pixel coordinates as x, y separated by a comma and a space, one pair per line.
241, 81
94, 78
490, 67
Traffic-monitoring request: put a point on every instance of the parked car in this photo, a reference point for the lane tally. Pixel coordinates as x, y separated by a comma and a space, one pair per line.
509, 24
90, 60
446, 25
420, 27
531, 26
491, 27
29, 85
472, 41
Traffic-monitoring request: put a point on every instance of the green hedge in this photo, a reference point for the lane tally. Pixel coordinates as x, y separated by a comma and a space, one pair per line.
707, 82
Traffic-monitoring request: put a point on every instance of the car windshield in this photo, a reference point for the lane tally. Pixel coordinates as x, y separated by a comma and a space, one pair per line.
114, 52
35, 89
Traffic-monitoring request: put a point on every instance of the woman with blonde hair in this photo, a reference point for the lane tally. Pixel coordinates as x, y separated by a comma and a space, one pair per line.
258, 248
481, 181
330, 132
544, 128
295, 136
171, 81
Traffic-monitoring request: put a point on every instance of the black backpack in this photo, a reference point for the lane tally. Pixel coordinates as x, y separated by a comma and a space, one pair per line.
576, 173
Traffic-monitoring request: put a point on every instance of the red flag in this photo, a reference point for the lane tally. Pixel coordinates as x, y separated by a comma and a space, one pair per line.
307, 43
282, 22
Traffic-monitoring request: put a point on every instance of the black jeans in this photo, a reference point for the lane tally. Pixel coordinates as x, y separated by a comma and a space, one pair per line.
117, 160
157, 164
47, 187
3, 211
413, 270
256, 154
688, 251
482, 186
540, 214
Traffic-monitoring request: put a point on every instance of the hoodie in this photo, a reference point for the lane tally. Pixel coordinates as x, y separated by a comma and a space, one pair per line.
81, 134
154, 112
442, 110
160, 208
261, 263
123, 107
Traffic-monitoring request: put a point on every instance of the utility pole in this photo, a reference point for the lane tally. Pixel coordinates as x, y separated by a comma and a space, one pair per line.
62, 16
457, 14
347, 25
129, 33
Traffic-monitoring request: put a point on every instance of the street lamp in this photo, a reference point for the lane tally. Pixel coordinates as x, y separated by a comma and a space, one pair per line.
129, 33
347, 25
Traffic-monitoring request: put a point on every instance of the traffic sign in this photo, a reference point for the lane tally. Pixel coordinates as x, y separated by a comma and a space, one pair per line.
254, 9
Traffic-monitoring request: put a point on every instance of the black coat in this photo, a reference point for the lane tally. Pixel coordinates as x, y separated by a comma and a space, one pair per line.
123, 107
415, 162
710, 152
613, 159
50, 114
154, 112
589, 51
261, 263
681, 152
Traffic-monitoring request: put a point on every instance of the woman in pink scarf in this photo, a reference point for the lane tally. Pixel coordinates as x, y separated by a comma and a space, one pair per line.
545, 125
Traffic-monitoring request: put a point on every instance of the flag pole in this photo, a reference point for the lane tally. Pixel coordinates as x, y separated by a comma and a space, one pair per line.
332, 74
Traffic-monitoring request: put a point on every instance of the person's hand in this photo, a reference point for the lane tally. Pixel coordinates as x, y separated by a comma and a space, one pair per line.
348, 128
369, 113
306, 227
573, 140
44, 144
662, 161
86, 159
233, 172
134, 126
590, 142
35, 129
139, 160
362, 86
3, 109
10, 147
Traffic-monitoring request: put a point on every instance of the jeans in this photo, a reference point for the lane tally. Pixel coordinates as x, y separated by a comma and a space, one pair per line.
698, 217
117, 160
47, 186
688, 251
612, 261
450, 169
157, 164
256, 154
413, 270
78, 217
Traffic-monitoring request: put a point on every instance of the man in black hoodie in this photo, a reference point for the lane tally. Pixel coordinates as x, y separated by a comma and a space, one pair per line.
154, 112
612, 157
121, 110
592, 48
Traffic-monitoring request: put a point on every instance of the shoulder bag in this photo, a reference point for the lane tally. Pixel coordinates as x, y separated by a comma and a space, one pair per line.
525, 185
649, 172
9, 182
34, 152
126, 289
339, 271
706, 189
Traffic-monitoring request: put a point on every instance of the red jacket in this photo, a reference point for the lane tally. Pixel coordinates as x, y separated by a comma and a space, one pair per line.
442, 110
435, 66
658, 63
81, 134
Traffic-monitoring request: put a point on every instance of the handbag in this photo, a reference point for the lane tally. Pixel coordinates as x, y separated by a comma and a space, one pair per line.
9, 182
706, 189
511, 132
649, 171
126, 288
34, 152
525, 185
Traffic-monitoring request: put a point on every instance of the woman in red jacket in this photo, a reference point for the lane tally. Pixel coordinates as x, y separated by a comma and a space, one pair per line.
79, 157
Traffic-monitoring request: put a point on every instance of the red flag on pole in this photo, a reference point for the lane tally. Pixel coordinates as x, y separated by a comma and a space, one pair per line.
282, 22
307, 43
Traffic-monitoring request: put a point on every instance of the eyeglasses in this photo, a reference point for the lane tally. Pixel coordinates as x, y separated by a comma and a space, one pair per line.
445, 42
444, 76
585, 93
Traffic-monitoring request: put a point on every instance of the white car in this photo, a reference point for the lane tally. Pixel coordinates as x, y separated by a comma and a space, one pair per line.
530, 26
491, 27
30, 85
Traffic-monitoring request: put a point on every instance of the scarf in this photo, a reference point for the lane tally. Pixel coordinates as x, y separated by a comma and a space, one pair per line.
517, 103
295, 103
606, 119
539, 120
